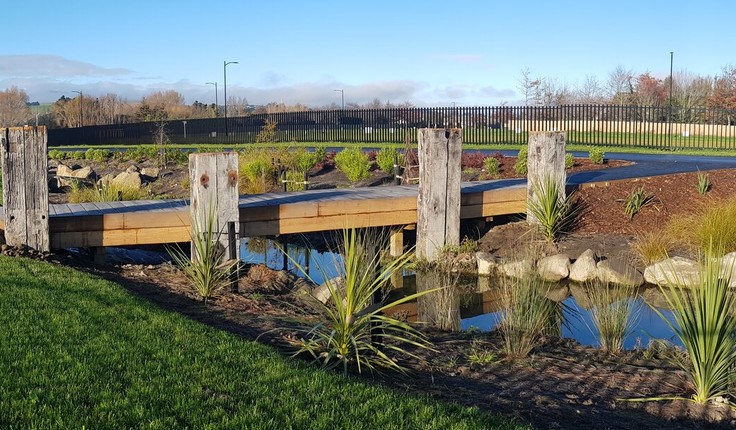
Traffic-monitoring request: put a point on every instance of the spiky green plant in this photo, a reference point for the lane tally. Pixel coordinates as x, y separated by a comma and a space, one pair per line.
208, 270
612, 314
706, 325
343, 336
636, 201
527, 316
554, 212
703, 185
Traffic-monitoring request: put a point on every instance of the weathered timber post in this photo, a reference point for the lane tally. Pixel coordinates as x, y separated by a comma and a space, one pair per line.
545, 164
214, 192
438, 203
25, 185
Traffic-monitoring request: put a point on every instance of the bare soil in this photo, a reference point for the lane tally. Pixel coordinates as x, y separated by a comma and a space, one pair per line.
562, 384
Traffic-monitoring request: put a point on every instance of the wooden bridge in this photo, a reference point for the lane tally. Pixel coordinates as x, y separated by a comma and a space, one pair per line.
167, 221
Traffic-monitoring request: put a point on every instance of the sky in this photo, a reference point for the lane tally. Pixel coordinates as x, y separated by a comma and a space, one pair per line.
427, 52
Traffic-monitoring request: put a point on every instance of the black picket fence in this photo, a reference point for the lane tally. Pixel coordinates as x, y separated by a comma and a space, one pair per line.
628, 126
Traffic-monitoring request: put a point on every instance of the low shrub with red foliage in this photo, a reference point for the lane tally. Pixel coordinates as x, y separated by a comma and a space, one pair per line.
473, 160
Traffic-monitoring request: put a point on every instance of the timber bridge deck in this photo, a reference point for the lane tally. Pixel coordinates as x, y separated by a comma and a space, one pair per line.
167, 221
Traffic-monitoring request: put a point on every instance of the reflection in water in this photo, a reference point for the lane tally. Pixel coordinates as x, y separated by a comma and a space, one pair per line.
463, 306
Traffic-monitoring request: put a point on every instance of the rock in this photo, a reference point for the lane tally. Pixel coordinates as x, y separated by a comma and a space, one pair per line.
150, 172
63, 170
106, 179
728, 268
673, 271
322, 291
581, 296
516, 269
127, 180
585, 267
554, 268
558, 293
487, 263
133, 169
619, 272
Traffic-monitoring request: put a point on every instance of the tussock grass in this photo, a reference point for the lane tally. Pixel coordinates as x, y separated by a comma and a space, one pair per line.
85, 353
710, 227
612, 314
105, 192
555, 212
256, 170
653, 246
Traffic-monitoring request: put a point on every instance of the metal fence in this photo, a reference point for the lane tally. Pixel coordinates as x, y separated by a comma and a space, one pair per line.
628, 126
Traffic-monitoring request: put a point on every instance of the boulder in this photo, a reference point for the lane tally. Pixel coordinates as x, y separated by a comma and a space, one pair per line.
728, 268
618, 272
585, 267
487, 263
558, 293
127, 180
322, 291
65, 171
133, 169
673, 271
516, 269
150, 172
106, 179
554, 268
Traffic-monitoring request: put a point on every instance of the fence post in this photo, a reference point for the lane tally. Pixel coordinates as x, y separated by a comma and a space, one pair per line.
438, 202
25, 185
214, 191
545, 162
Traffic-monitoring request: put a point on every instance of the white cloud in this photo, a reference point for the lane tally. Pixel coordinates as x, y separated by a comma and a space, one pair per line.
35, 66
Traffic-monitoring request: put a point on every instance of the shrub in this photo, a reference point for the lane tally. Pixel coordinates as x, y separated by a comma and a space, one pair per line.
98, 155
75, 155
703, 185
473, 160
612, 314
176, 156
386, 157
320, 153
141, 153
268, 132
569, 161
256, 171
492, 166
556, 213
520, 167
343, 334
302, 160
353, 163
208, 271
636, 201
706, 326
596, 155
55, 154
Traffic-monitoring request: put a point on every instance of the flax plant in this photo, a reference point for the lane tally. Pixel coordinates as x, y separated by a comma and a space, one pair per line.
706, 325
555, 213
352, 330
612, 314
209, 270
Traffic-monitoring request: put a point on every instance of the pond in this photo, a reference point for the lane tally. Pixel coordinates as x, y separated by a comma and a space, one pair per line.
476, 307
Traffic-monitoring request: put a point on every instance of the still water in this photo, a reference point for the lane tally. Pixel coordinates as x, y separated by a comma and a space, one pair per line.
471, 308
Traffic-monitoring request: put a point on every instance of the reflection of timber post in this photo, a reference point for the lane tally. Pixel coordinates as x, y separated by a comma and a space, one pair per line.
441, 308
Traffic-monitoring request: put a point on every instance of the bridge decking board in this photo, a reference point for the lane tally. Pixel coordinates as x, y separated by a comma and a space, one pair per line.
166, 221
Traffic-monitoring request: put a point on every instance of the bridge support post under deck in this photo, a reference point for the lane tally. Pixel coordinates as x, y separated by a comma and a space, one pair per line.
396, 242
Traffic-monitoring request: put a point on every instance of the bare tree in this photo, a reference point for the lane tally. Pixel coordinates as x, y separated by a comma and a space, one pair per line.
14, 108
529, 86
590, 91
620, 86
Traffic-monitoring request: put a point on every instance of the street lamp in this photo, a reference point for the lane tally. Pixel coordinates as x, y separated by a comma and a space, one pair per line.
224, 76
81, 107
217, 106
342, 98
669, 116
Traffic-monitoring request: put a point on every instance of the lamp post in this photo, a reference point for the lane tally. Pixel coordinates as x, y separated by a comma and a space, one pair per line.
224, 77
217, 106
81, 107
342, 98
669, 116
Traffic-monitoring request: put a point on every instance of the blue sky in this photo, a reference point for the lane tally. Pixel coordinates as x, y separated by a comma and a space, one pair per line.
426, 52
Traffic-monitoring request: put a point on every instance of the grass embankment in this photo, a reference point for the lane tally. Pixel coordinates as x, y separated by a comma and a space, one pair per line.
77, 352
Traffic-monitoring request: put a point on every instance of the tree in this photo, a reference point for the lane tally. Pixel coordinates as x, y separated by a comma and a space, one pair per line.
14, 108
724, 93
620, 86
590, 92
529, 86
650, 91
163, 105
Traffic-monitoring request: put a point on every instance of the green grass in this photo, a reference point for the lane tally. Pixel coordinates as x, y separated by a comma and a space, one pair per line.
80, 352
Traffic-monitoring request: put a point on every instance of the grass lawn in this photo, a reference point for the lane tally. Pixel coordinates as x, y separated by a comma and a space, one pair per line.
80, 352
